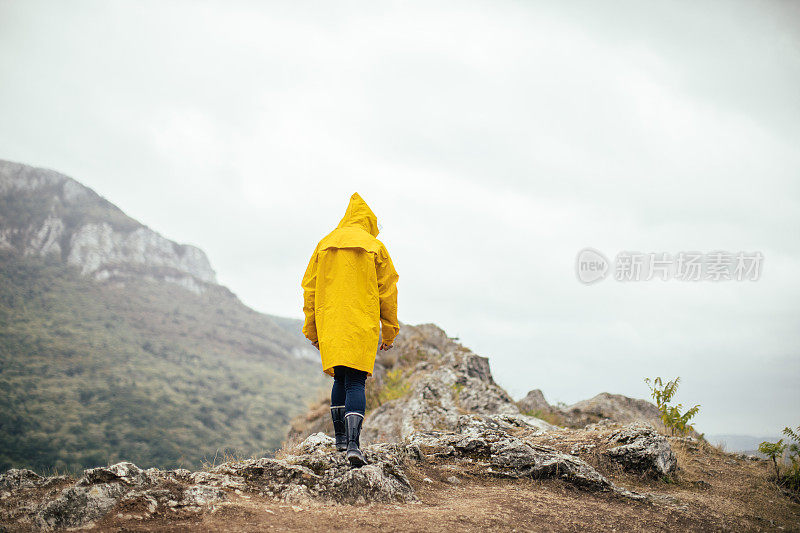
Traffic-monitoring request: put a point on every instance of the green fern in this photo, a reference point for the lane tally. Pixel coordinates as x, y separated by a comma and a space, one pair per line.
671, 415
792, 478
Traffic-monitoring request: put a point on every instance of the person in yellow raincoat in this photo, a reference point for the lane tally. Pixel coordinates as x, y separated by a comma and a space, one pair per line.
349, 289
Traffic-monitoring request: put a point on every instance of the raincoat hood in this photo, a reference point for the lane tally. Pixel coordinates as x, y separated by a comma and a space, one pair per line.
360, 215
350, 292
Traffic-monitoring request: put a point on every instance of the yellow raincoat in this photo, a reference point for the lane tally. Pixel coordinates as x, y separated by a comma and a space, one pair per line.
348, 289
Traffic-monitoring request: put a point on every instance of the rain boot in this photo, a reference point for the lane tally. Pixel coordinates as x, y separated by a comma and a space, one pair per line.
339, 427
354, 455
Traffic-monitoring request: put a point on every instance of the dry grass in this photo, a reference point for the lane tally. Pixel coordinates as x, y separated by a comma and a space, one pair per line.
551, 417
228, 457
289, 447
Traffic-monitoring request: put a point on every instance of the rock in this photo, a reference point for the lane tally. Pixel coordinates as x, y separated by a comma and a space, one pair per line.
616, 407
155, 476
200, 495
485, 439
219, 480
459, 382
15, 479
534, 402
443, 380
128, 473
378, 482
46, 239
702, 484
317, 470
643, 450
78, 505
317, 441
141, 503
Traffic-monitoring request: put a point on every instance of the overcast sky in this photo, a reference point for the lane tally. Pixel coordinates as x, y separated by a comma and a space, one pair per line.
494, 140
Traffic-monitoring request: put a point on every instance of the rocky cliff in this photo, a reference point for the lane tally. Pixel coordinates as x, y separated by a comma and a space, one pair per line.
45, 213
428, 380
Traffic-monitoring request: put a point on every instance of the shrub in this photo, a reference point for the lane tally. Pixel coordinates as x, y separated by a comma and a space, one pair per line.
790, 477
671, 415
395, 385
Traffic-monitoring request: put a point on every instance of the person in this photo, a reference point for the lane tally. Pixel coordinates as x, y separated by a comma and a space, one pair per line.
349, 288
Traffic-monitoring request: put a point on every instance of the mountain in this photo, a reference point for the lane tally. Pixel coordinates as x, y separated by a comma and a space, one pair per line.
117, 342
739, 443
747, 444
45, 213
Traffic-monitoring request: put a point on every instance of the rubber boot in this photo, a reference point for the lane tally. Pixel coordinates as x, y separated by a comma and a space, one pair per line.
354, 455
339, 427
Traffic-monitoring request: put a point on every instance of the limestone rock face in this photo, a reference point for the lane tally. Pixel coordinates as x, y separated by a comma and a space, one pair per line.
50, 214
100, 251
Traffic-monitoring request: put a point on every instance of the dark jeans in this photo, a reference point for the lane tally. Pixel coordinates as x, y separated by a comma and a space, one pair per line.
348, 389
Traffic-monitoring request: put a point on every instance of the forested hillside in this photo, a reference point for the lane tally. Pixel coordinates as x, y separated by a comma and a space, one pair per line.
116, 342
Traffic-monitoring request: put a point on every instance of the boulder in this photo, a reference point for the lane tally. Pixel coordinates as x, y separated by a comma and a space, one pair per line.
127, 473
534, 402
77, 505
642, 450
315, 470
15, 479
485, 439
461, 382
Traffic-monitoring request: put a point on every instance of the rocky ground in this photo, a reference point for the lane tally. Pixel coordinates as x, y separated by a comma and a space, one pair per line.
447, 449
491, 471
